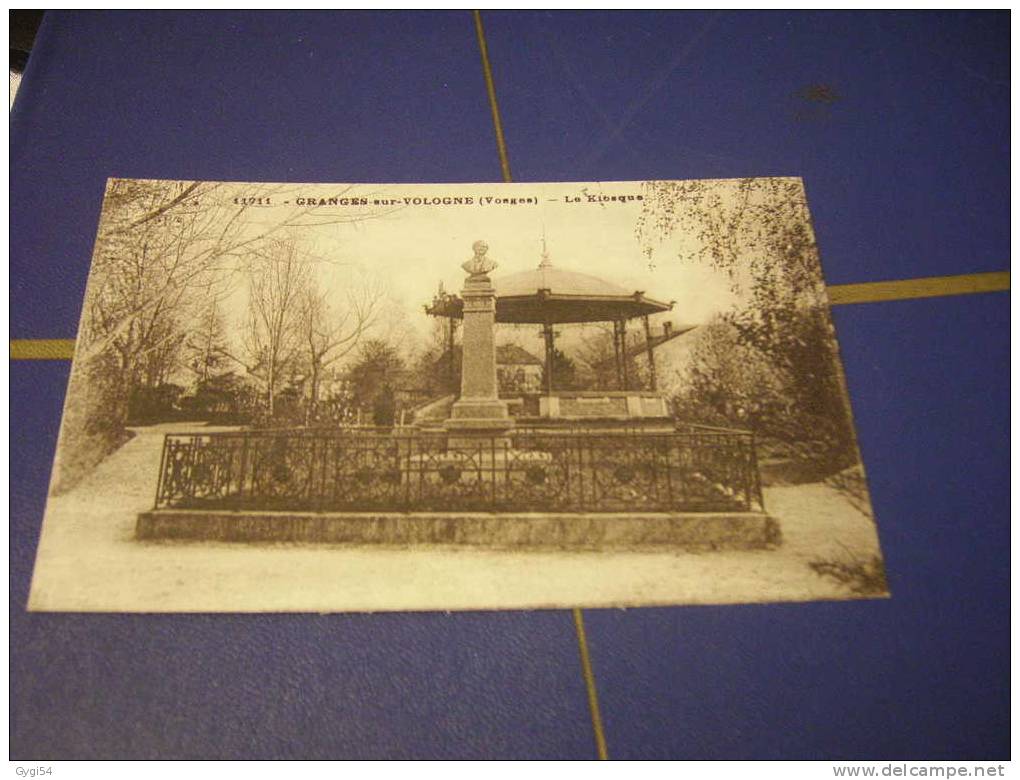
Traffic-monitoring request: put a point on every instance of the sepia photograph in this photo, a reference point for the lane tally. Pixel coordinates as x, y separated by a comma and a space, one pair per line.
376, 397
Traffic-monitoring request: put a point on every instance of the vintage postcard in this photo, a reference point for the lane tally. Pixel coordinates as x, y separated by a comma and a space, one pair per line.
363, 397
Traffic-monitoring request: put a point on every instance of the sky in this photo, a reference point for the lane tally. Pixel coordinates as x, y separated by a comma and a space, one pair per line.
411, 247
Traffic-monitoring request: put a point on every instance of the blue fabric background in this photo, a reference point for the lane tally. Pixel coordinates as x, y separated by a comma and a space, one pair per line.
907, 172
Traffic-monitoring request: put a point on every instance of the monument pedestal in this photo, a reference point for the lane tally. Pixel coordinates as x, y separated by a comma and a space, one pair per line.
484, 411
478, 413
471, 422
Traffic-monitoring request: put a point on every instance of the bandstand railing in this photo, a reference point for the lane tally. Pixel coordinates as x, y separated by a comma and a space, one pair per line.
410, 470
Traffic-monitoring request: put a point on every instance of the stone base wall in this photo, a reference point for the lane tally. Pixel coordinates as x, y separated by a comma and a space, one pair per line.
524, 531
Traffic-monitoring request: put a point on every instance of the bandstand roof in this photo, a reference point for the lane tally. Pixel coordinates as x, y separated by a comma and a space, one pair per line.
554, 295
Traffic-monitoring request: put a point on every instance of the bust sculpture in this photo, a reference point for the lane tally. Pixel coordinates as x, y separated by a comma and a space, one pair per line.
479, 264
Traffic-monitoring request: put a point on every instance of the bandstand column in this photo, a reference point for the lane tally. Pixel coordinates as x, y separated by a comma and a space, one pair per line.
616, 354
452, 368
623, 353
651, 353
547, 333
479, 409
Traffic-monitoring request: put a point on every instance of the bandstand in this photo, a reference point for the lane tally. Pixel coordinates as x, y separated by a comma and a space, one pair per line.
547, 297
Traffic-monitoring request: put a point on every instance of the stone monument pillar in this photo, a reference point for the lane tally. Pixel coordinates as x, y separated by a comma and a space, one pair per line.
479, 410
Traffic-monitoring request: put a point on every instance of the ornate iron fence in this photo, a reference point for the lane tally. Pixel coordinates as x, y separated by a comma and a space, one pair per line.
317, 470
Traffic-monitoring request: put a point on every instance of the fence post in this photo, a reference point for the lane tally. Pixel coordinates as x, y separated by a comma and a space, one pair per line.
580, 472
162, 469
755, 473
492, 469
243, 475
668, 450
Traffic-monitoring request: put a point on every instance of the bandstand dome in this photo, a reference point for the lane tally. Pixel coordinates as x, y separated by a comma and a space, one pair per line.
548, 294
558, 282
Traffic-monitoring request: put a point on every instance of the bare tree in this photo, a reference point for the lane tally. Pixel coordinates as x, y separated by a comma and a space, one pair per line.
437, 364
206, 344
596, 354
279, 282
600, 358
159, 360
160, 242
331, 332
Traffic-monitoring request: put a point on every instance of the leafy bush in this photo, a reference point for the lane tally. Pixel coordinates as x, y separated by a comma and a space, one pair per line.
863, 577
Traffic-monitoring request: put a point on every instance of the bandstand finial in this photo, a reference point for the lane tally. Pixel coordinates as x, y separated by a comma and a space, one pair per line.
546, 262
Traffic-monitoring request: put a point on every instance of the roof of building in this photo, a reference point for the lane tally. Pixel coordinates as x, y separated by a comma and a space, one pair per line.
661, 338
514, 355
